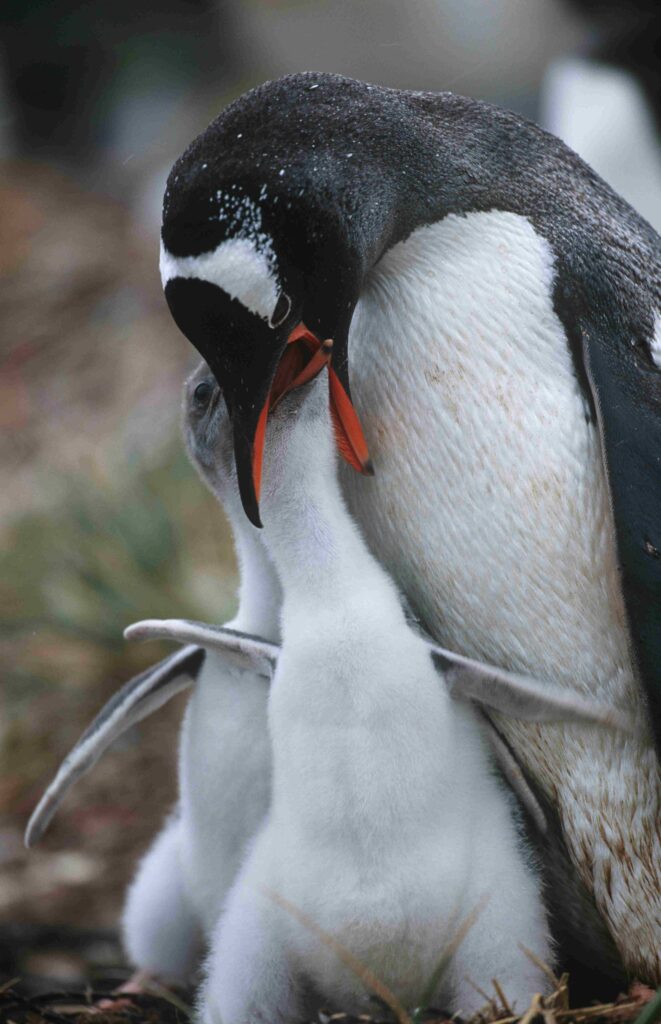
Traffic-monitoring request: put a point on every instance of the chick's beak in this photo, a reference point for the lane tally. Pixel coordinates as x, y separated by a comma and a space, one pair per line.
304, 357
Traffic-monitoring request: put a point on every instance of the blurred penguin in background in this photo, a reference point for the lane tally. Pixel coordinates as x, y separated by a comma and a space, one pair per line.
89, 87
606, 103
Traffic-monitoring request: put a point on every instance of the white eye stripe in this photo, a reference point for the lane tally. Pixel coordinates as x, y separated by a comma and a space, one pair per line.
237, 266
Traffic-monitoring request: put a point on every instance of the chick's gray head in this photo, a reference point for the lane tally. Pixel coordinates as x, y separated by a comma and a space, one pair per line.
207, 433
298, 442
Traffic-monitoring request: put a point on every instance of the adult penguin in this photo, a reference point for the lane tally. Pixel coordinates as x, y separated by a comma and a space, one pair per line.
494, 305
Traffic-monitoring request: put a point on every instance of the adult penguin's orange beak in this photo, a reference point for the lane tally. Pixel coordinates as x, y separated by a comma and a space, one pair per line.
304, 357
256, 365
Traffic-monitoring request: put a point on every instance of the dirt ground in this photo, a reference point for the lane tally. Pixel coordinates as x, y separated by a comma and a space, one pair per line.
102, 522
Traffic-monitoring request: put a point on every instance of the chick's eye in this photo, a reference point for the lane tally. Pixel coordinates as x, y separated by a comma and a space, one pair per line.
203, 393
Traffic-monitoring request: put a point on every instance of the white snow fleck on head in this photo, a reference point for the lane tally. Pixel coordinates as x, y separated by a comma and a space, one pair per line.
655, 343
243, 265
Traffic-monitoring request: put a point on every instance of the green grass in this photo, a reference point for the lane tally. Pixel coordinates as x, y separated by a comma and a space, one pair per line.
149, 542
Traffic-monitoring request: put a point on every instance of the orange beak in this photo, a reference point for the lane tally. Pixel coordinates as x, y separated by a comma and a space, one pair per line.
305, 357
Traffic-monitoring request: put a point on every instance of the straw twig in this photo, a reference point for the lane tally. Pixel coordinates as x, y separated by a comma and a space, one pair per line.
363, 973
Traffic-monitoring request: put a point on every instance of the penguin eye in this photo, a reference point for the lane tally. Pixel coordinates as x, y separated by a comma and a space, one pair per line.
203, 393
281, 311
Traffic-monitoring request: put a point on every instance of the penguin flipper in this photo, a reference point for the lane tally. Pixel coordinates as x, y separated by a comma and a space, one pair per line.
520, 696
242, 649
134, 701
626, 388
513, 775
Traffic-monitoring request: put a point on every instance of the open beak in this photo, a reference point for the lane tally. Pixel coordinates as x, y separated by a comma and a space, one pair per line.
304, 357
255, 369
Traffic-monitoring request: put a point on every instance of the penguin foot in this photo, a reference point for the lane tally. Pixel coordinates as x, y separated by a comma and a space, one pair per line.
641, 993
628, 1005
140, 983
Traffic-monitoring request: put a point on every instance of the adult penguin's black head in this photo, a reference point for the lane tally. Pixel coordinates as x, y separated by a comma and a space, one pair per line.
271, 219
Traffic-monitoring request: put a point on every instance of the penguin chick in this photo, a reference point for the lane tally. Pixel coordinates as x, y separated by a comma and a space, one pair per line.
164, 922
387, 828
224, 756
163, 932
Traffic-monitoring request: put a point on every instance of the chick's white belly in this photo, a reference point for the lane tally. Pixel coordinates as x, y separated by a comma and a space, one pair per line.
382, 801
364, 744
490, 508
395, 916
225, 767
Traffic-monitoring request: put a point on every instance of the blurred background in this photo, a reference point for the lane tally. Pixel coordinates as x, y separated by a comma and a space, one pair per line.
102, 520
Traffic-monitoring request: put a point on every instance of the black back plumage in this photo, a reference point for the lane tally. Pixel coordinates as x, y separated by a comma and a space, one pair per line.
341, 171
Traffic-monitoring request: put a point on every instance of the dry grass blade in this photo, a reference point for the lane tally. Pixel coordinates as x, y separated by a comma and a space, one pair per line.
555, 981
369, 980
452, 947
507, 1009
27, 1009
559, 1010
72, 1009
606, 1010
8, 984
169, 997
534, 1010
560, 997
488, 1000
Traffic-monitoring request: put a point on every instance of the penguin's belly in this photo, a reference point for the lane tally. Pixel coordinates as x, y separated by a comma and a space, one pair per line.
490, 507
225, 765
